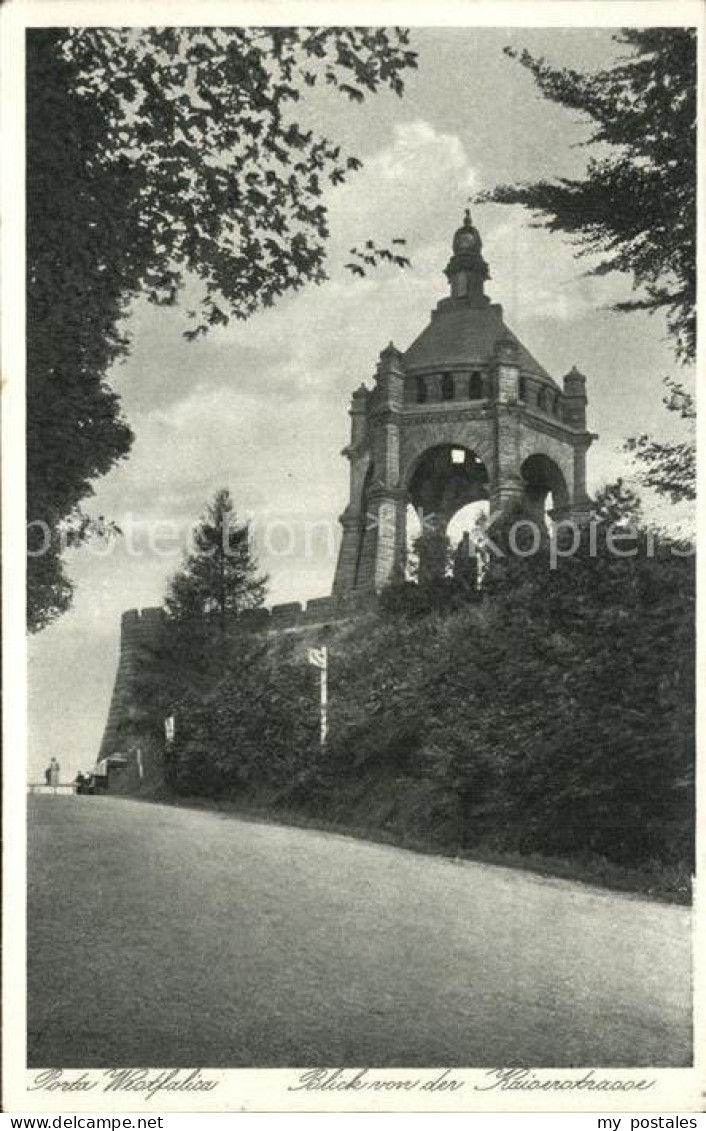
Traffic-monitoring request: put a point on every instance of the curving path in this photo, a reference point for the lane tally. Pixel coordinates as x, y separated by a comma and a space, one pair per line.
168, 936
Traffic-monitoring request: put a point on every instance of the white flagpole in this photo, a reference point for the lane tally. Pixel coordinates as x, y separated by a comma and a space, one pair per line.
324, 697
319, 658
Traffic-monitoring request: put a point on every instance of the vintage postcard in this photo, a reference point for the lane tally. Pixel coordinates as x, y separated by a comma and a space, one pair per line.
349, 358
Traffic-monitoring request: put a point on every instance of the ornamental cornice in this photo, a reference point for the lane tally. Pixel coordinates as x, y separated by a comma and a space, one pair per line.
393, 492
388, 414
558, 429
450, 413
354, 451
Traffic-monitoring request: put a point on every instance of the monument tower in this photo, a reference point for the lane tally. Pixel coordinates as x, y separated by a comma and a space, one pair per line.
465, 414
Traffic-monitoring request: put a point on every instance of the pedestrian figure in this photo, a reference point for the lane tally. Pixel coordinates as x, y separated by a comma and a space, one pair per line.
465, 565
54, 769
47, 775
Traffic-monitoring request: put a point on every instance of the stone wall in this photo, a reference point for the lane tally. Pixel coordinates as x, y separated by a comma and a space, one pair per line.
140, 631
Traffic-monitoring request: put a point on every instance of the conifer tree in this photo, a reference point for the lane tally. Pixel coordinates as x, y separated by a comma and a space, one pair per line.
635, 206
220, 577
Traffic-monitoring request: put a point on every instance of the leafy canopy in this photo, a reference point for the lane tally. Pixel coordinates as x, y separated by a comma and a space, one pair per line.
556, 719
153, 154
636, 204
669, 467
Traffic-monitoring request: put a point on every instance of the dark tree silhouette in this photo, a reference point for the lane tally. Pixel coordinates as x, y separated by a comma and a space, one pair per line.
636, 204
152, 154
220, 576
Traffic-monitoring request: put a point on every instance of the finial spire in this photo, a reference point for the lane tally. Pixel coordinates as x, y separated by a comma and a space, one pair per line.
467, 269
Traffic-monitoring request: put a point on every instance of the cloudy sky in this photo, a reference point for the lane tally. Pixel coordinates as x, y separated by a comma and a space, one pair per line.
261, 407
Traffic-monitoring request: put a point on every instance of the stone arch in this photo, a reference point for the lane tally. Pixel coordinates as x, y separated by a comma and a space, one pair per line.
444, 479
534, 442
476, 436
541, 477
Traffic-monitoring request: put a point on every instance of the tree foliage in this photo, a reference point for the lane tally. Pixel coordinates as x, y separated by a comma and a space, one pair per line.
220, 577
666, 466
554, 719
153, 154
636, 204
617, 503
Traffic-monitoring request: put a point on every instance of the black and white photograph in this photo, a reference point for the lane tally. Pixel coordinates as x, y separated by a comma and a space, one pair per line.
359, 600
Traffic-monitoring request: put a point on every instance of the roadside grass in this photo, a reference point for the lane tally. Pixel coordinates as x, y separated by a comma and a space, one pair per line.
654, 880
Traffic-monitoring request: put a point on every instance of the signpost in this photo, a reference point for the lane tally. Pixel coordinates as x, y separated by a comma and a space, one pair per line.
319, 658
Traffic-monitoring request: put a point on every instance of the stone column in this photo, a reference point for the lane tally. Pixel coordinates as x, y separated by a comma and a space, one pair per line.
461, 381
353, 519
580, 499
386, 499
353, 524
575, 399
384, 544
389, 516
433, 381
507, 487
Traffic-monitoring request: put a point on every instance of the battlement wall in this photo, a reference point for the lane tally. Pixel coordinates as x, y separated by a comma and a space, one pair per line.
140, 630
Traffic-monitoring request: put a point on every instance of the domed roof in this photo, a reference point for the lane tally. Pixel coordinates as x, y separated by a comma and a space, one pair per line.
466, 335
466, 329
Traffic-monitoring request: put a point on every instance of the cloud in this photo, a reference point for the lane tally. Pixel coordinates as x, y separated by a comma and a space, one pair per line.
538, 273
418, 147
414, 185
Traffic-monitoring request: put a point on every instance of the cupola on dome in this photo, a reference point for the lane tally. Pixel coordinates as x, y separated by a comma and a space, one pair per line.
467, 238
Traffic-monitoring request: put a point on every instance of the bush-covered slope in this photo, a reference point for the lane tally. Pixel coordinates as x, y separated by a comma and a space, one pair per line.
554, 717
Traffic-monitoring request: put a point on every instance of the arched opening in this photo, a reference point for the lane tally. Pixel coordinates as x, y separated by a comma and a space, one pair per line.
444, 480
546, 495
421, 391
465, 535
475, 386
467, 519
447, 387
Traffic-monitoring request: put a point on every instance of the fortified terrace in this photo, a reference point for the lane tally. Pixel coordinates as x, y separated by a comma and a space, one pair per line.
465, 414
